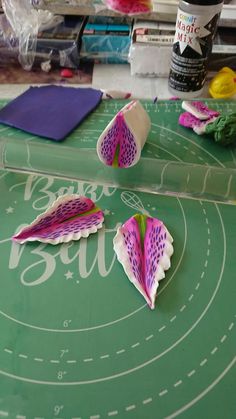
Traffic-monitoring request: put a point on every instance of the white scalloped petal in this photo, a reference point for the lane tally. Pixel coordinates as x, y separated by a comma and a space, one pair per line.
70, 217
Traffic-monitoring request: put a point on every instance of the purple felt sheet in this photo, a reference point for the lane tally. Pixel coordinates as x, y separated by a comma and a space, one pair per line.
50, 111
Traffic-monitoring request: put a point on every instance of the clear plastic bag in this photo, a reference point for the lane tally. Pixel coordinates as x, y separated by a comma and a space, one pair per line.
25, 22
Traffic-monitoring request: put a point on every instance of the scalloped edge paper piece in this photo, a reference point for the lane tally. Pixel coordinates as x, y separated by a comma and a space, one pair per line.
187, 120
143, 246
199, 109
123, 139
70, 217
115, 94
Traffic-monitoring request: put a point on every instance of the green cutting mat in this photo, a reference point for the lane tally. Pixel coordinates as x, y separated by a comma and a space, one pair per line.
174, 158
77, 340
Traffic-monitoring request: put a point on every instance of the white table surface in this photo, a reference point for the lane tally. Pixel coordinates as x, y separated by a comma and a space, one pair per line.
114, 77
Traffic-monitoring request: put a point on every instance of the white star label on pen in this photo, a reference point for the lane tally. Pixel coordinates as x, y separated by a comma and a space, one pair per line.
190, 29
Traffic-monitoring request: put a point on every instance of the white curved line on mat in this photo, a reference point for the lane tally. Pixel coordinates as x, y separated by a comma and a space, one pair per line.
233, 155
195, 144
228, 186
201, 395
183, 251
111, 322
44, 329
205, 180
150, 361
166, 151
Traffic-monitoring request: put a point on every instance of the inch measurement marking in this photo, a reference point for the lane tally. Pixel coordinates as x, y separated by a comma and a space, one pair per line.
66, 323
57, 409
61, 374
63, 352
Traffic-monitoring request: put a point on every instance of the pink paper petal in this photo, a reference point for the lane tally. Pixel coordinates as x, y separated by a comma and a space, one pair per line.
199, 110
69, 218
130, 7
144, 263
187, 120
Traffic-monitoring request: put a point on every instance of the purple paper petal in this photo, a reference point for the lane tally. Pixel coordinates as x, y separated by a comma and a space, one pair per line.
157, 251
110, 141
121, 142
119, 134
131, 236
128, 147
69, 218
